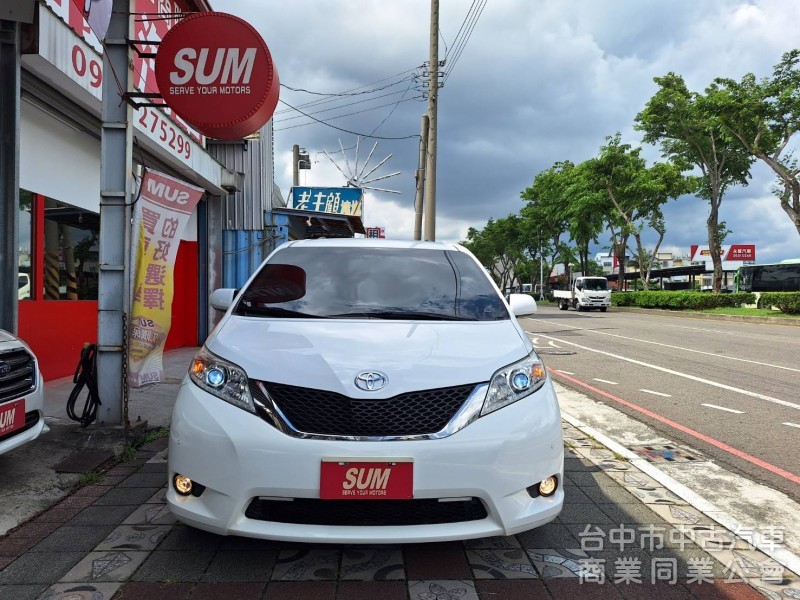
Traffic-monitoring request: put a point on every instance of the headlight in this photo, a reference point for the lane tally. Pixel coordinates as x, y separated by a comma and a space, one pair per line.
514, 382
221, 378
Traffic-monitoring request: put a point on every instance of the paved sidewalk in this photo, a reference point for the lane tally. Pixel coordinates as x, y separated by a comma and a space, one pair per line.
621, 535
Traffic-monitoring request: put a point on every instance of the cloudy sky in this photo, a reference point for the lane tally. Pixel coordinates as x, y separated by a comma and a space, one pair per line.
538, 81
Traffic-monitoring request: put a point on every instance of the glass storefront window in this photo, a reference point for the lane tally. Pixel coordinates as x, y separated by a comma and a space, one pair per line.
71, 244
25, 260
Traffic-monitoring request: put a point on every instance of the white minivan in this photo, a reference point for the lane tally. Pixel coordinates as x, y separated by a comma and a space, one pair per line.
367, 391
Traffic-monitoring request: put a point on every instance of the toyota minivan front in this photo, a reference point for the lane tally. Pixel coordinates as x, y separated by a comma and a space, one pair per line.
367, 391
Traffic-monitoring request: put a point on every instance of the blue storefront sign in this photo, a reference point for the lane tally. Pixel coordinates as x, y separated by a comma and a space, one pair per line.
336, 200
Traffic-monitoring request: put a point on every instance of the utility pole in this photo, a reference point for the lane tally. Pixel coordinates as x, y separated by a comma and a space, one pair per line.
115, 186
423, 151
433, 92
9, 170
295, 165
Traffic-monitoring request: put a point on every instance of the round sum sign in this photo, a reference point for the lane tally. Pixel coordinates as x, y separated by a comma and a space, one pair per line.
215, 71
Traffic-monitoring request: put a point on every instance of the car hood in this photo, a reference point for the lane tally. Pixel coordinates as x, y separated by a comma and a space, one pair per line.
330, 354
5, 336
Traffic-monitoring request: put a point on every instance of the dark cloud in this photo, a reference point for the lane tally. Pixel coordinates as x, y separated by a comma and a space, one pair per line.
538, 82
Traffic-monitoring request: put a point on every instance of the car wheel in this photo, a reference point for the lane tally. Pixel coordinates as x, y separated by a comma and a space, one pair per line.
603, 308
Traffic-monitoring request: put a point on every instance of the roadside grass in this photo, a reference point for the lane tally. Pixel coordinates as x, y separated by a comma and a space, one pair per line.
90, 478
749, 312
155, 434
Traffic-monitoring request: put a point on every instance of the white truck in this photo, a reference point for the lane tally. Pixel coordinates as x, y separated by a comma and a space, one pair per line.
586, 293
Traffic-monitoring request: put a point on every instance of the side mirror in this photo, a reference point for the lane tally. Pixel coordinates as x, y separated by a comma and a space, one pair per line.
522, 304
222, 299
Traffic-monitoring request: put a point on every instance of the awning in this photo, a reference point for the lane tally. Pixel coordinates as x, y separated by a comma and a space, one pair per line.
322, 224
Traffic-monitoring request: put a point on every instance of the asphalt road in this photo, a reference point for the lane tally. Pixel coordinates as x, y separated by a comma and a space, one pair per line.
729, 389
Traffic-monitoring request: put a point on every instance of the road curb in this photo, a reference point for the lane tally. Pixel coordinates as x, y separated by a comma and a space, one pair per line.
783, 556
709, 316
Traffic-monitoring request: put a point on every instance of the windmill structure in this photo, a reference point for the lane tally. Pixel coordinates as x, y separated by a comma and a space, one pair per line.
363, 178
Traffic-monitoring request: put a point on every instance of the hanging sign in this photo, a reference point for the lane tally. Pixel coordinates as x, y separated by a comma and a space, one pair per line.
215, 71
160, 216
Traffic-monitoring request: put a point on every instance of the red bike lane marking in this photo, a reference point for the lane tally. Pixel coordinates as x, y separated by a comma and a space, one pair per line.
709, 440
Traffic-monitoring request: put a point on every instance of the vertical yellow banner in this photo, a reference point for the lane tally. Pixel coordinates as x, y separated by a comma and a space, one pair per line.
160, 215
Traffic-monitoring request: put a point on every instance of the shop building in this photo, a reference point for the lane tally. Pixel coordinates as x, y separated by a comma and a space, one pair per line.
59, 227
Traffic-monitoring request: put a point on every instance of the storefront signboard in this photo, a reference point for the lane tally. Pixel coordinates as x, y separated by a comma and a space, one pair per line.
215, 71
160, 215
337, 201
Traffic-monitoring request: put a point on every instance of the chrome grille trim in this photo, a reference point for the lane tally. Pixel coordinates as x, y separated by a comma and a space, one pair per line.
268, 410
21, 380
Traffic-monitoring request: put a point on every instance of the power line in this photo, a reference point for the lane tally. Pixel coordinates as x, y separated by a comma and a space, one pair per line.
391, 112
460, 29
375, 137
340, 94
358, 112
465, 39
317, 112
323, 101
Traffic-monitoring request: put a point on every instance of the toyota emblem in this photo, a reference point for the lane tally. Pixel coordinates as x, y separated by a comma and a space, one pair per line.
371, 381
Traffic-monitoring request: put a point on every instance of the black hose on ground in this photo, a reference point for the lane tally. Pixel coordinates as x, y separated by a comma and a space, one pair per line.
85, 375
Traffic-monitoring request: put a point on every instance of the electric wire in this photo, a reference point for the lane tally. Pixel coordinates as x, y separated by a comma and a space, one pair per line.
465, 40
323, 101
358, 112
375, 137
391, 112
317, 112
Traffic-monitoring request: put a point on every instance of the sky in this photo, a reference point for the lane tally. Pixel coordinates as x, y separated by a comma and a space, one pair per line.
536, 82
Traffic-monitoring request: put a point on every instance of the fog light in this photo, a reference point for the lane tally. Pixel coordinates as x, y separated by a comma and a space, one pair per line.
548, 486
182, 484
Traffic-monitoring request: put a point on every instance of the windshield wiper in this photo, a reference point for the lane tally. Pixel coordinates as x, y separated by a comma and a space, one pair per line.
273, 311
401, 315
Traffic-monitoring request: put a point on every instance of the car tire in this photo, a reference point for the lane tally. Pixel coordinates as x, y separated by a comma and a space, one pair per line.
603, 308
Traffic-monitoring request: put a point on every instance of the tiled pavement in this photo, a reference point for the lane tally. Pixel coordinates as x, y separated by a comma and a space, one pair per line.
620, 535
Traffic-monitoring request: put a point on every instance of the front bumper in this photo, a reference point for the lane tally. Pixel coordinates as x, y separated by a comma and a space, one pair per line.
237, 457
34, 408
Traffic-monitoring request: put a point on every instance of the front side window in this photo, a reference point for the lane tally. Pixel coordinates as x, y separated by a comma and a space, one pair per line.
71, 245
382, 283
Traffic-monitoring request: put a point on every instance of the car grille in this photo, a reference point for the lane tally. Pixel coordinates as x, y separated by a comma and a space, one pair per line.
31, 419
21, 379
309, 511
328, 413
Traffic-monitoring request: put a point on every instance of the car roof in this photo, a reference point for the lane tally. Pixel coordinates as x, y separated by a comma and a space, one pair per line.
373, 243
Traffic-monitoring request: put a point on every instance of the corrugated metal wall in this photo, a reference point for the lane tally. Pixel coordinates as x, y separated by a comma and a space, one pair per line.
244, 210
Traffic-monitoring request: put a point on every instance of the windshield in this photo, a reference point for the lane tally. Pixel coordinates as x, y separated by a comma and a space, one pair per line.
595, 284
379, 283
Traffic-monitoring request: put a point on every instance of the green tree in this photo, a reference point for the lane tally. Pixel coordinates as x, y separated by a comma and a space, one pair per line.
499, 248
689, 129
546, 212
636, 192
764, 116
585, 211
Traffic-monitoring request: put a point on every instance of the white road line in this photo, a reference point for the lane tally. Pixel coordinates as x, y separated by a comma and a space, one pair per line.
738, 412
553, 344
616, 335
723, 386
792, 425
564, 372
535, 341
657, 393
605, 381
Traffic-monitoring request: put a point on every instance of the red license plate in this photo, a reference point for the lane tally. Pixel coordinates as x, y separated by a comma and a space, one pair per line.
12, 416
366, 479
